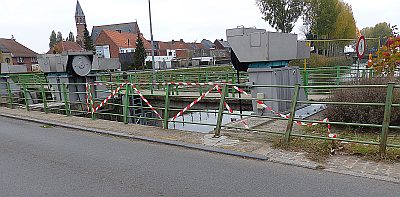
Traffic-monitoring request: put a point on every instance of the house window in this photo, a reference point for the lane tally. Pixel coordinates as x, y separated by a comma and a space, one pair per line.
34, 60
8, 60
170, 53
20, 60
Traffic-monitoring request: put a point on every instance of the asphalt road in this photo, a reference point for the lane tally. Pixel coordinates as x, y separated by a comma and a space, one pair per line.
36, 161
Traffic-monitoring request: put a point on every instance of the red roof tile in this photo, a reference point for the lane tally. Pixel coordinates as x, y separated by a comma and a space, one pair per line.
17, 49
124, 39
175, 45
67, 46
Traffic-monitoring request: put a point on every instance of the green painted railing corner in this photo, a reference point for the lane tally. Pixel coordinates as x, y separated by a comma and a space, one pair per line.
221, 108
289, 126
166, 106
386, 119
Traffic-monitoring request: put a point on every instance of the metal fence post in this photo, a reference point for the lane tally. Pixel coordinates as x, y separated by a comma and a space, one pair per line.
200, 81
44, 99
386, 118
92, 103
307, 76
10, 95
166, 110
337, 75
200, 90
221, 111
151, 85
289, 126
233, 82
126, 103
66, 100
25, 90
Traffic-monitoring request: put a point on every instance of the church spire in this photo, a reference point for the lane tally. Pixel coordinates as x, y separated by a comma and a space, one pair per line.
79, 11
80, 22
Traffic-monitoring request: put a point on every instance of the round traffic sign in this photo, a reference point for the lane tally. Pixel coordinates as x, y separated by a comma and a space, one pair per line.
360, 47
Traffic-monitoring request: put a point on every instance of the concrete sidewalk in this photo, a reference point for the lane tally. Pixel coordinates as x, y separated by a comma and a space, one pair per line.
233, 145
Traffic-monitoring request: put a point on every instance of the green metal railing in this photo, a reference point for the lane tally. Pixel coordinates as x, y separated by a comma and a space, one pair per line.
338, 75
128, 107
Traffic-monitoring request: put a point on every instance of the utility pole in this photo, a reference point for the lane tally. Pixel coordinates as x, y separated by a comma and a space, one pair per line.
152, 46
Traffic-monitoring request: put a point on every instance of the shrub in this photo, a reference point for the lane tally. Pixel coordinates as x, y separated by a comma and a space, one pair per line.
360, 113
323, 61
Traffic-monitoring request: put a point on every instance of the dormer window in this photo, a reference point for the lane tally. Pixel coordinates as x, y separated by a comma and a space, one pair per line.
118, 30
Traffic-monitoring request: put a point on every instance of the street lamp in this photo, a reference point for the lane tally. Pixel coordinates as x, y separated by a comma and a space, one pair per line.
152, 46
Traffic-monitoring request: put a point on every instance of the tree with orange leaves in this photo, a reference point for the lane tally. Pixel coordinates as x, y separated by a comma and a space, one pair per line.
388, 57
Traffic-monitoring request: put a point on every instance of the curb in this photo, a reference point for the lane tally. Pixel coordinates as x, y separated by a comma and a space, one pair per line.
295, 163
369, 176
142, 138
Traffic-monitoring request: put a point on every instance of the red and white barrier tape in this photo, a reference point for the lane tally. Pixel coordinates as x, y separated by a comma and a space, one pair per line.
89, 98
113, 93
193, 103
216, 86
231, 110
189, 83
146, 101
326, 120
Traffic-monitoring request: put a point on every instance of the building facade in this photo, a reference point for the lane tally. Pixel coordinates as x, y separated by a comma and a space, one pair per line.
114, 43
14, 53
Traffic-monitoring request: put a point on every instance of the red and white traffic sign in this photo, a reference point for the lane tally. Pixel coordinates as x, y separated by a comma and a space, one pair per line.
360, 47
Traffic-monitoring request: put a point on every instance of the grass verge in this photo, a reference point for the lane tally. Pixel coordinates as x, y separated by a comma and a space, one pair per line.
320, 150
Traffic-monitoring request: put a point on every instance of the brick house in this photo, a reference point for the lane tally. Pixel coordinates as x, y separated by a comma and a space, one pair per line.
219, 50
14, 53
178, 49
111, 43
131, 27
222, 44
181, 51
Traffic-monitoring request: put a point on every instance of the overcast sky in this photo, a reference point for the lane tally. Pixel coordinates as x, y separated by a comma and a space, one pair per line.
31, 21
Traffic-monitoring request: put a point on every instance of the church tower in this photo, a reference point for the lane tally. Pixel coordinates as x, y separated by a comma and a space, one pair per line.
80, 23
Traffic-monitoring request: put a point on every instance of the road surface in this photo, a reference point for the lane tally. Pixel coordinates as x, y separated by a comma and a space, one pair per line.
36, 161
